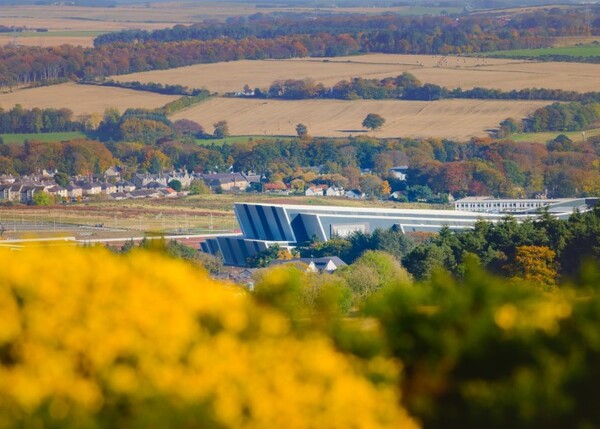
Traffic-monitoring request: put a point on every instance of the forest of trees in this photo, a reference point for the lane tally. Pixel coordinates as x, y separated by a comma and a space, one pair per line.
387, 28
139, 139
274, 37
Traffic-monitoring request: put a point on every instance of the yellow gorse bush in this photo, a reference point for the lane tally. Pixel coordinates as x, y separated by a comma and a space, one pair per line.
92, 339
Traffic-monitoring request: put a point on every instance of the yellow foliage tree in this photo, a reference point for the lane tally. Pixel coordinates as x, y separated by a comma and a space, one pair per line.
535, 264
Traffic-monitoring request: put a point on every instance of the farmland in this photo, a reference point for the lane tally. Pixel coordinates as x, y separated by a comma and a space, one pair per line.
451, 72
83, 99
458, 119
544, 137
51, 38
591, 50
41, 137
78, 25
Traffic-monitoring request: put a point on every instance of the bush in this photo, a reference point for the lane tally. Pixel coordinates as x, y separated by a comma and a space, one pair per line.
148, 341
494, 353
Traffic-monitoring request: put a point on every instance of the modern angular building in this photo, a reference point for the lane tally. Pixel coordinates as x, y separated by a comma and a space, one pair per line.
264, 225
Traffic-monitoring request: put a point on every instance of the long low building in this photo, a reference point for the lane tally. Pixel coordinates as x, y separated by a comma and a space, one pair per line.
522, 206
264, 225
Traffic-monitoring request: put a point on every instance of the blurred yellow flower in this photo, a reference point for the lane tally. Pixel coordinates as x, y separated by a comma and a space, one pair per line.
93, 339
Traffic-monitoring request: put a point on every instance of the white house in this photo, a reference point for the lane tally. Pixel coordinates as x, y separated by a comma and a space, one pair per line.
334, 191
399, 172
354, 194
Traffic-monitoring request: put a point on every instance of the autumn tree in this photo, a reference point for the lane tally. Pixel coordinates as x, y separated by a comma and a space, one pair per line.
535, 264
301, 130
373, 121
185, 127
221, 129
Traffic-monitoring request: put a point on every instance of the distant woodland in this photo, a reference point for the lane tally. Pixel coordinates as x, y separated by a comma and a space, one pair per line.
266, 36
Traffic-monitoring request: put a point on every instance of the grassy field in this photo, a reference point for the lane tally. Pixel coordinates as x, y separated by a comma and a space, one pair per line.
591, 50
448, 71
544, 137
41, 137
83, 98
237, 139
458, 119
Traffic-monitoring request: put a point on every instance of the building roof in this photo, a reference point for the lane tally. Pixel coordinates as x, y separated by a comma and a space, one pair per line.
319, 263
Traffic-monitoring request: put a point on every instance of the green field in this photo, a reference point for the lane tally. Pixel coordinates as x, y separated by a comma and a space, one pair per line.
42, 137
238, 139
425, 10
546, 136
592, 50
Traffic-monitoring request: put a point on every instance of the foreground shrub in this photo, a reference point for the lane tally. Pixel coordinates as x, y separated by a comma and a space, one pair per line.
94, 340
495, 353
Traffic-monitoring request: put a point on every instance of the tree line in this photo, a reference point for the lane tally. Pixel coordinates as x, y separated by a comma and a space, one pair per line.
387, 31
36, 120
573, 116
156, 87
407, 87
341, 36
547, 247
140, 140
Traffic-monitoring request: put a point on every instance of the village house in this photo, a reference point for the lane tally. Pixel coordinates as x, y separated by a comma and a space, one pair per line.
154, 185
399, 172
11, 192
112, 173
140, 180
354, 194
74, 192
334, 191
89, 188
124, 186
315, 190
231, 182
28, 192
108, 188
58, 192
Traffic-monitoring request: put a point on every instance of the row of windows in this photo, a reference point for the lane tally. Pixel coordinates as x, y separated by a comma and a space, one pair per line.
500, 205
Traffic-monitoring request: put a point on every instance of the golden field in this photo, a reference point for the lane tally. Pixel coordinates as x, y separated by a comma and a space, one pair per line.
51, 38
82, 99
448, 71
458, 119
154, 15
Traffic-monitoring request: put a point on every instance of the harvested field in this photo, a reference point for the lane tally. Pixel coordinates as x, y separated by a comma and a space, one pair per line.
161, 15
45, 39
458, 119
448, 71
561, 42
83, 98
51, 38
